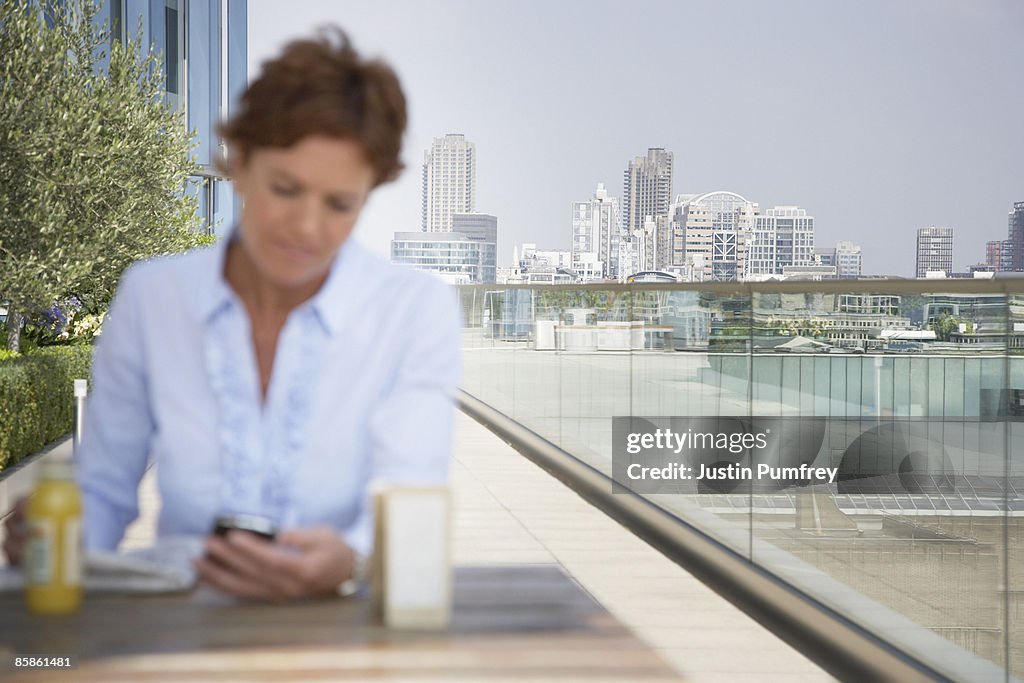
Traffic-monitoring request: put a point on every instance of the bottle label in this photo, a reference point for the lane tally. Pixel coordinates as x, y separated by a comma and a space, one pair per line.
39, 552
73, 551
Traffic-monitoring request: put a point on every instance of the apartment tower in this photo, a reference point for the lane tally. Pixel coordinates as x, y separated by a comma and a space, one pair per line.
646, 198
449, 181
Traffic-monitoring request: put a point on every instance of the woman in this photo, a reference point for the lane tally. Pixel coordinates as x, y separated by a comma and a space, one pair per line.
282, 370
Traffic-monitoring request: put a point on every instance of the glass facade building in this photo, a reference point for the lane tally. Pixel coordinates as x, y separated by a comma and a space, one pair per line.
203, 47
457, 258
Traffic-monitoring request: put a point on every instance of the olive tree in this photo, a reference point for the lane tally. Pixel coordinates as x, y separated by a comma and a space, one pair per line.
93, 165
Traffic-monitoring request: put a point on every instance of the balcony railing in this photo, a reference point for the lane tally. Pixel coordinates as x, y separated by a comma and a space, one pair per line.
908, 393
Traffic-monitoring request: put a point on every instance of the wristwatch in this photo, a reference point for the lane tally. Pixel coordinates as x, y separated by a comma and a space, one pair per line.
350, 586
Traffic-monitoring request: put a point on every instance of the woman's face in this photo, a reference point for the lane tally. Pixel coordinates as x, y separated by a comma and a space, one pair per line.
300, 205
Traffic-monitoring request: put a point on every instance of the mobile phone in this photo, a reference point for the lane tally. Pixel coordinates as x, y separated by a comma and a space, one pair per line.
254, 524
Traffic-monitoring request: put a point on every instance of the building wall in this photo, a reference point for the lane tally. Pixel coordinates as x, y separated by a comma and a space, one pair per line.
203, 47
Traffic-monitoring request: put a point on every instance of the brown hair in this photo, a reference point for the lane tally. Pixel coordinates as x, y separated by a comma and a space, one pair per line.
321, 85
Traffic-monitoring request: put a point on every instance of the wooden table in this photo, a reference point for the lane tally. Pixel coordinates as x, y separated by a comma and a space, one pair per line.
509, 623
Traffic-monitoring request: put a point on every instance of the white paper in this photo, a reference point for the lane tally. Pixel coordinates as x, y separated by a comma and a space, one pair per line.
162, 568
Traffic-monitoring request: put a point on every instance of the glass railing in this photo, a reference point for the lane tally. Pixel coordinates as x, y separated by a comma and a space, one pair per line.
890, 487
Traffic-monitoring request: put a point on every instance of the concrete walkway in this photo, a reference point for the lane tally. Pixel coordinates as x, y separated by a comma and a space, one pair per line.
509, 511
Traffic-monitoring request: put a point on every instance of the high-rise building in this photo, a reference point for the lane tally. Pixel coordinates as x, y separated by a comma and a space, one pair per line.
848, 260
595, 236
1015, 236
934, 250
783, 236
999, 254
1008, 255
711, 235
449, 181
647, 193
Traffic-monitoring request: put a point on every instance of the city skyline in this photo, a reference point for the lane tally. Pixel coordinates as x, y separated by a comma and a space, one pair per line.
904, 107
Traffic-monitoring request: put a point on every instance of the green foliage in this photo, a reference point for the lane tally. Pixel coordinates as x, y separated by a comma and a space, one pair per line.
27, 343
93, 165
947, 325
36, 398
609, 305
794, 327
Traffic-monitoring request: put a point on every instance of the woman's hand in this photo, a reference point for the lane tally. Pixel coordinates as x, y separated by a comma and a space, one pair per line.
301, 563
16, 533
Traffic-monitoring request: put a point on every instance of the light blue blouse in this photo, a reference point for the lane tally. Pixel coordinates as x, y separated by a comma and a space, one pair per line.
361, 390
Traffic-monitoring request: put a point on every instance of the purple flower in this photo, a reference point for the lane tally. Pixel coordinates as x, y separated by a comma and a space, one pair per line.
56, 317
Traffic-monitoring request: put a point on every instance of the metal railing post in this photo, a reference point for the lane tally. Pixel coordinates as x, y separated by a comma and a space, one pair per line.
81, 390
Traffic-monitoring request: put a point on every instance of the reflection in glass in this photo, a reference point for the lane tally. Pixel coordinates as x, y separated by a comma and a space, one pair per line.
918, 395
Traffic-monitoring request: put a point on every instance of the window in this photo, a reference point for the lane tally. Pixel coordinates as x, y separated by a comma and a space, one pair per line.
174, 53
117, 27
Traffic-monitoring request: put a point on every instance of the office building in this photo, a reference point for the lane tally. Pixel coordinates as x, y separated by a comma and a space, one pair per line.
203, 47
782, 237
1015, 237
848, 260
711, 235
646, 199
449, 181
595, 236
478, 226
467, 254
999, 255
934, 250
1008, 255
482, 229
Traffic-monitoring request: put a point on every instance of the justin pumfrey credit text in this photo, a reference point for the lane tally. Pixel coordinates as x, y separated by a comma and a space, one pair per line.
664, 440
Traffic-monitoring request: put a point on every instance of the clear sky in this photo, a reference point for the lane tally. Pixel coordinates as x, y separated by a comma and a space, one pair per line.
877, 116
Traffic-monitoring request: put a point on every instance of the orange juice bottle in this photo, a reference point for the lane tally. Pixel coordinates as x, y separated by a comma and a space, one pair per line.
53, 557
